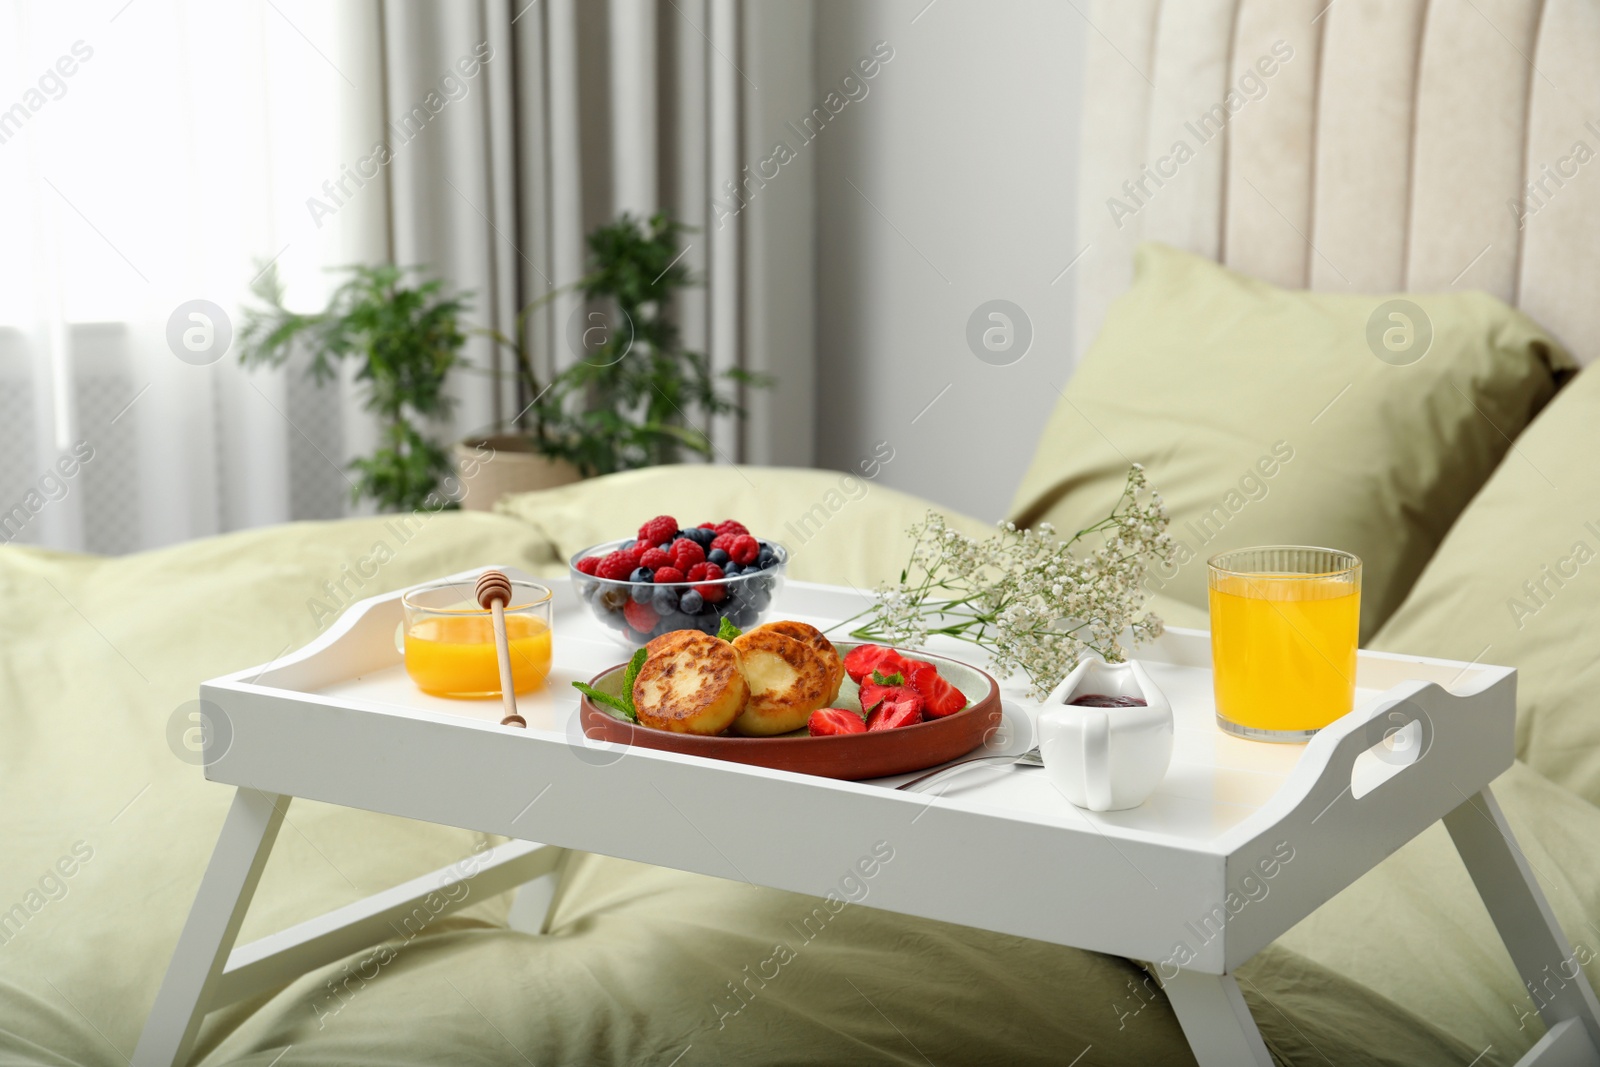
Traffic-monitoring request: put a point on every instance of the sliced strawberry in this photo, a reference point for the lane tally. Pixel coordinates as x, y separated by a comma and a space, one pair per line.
668, 575
900, 706
641, 617
872, 695
939, 697
588, 565
864, 659
654, 558
893, 662
859, 661
830, 722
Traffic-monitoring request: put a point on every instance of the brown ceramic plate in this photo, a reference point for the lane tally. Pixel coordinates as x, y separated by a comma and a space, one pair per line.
850, 756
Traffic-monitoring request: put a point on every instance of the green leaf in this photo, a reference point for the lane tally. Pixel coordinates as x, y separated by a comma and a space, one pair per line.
727, 630
614, 703
888, 679
635, 665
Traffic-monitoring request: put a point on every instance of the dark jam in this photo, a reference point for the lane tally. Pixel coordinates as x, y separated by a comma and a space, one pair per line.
1101, 700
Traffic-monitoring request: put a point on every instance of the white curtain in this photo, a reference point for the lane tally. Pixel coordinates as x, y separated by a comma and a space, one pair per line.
157, 152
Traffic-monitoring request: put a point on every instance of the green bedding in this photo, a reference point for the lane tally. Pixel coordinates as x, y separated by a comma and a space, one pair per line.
97, 656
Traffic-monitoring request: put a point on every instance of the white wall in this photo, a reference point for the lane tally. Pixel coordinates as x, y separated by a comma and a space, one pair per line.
965, 145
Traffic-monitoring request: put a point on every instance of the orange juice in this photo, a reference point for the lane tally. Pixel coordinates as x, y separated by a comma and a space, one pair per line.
454, 655
1283, 650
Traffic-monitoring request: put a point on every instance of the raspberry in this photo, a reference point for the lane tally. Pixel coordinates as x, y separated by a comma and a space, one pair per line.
711, 594
654, 558
732, 527
743, 549
668, 575
616, 567
713, 573
697, 573
707, 526
685, 554
633, 554
641, 617
723, 541
589, 565
658, 531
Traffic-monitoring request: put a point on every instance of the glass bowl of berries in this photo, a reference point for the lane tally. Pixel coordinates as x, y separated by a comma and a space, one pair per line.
668, 578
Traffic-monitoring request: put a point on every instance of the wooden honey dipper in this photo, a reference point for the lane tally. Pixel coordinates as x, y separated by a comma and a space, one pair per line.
494, 593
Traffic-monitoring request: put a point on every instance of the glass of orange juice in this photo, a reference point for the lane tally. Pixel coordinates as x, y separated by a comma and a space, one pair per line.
449, 640
1284, 624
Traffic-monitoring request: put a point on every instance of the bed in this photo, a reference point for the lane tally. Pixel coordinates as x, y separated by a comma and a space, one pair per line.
1333, 188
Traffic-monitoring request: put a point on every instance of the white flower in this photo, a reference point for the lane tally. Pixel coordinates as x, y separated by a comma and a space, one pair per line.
1025, 596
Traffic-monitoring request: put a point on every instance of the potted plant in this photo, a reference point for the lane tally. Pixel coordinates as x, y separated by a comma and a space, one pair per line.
408, 338
523, 459
626, 401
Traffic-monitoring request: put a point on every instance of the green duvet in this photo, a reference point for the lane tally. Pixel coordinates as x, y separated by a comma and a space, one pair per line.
107, 824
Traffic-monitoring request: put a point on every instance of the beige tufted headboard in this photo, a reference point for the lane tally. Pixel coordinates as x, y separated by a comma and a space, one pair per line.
1367, 146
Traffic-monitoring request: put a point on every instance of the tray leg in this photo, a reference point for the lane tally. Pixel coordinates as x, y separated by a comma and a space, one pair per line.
1216, 1020
1538, 947
535, 901
213, 924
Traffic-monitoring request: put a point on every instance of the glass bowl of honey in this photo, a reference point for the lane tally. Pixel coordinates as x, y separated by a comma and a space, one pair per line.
448, 640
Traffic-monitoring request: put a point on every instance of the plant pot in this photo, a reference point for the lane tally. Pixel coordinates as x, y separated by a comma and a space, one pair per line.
491, 467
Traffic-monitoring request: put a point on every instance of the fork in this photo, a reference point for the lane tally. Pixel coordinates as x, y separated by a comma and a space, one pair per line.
1030, 758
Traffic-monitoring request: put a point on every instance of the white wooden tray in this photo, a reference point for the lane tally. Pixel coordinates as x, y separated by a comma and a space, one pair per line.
1133, 882
1242, 840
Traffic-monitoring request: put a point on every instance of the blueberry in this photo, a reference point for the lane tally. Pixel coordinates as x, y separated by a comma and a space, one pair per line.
613, 597
642, 574
588, 590
691, 602
700, 536
717, 556
731, 570
766, 557
665, 599
758, 597
744, 616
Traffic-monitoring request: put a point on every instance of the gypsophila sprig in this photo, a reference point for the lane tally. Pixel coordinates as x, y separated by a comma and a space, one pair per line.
1036, 603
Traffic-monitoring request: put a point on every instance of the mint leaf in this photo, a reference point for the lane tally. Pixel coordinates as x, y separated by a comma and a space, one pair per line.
635, 665
888, 679
607, 700
727, 630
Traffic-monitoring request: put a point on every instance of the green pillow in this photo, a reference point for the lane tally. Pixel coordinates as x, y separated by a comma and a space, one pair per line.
1265, 417
1517, 582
